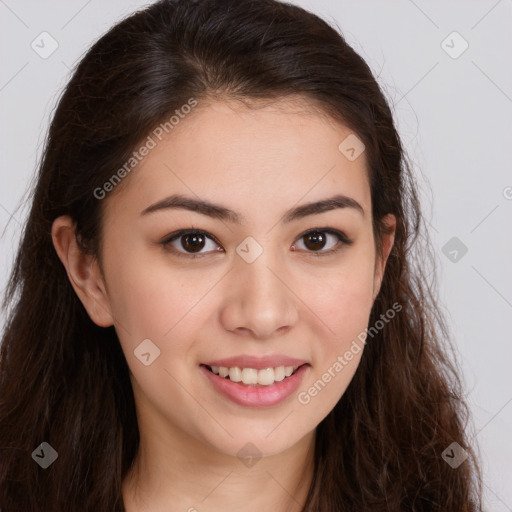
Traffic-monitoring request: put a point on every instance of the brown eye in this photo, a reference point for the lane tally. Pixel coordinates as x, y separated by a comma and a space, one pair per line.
315, 240
193, 242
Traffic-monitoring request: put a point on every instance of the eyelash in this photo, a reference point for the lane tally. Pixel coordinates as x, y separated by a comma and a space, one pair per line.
342, 237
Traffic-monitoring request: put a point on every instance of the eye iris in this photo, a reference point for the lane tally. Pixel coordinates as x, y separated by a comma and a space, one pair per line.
316, 238
195, 242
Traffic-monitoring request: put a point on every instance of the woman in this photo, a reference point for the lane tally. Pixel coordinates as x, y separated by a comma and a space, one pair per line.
215, 304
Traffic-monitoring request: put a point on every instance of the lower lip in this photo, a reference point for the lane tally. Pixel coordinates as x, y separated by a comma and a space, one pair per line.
256, 396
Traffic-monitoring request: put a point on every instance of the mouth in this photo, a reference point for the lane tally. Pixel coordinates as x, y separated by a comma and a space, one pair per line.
253, 377
257, 388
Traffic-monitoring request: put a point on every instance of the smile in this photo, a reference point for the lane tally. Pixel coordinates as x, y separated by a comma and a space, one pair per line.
252, 393
263, 377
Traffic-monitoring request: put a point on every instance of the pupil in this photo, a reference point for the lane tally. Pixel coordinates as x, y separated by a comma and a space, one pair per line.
195, 242
317, 238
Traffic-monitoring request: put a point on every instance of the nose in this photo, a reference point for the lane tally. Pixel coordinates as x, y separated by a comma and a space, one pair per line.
259, 302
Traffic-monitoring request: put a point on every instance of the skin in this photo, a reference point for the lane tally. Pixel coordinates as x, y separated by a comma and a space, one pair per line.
260, 162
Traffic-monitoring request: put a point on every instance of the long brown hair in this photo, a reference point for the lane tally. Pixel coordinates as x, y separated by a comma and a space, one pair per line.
65, 381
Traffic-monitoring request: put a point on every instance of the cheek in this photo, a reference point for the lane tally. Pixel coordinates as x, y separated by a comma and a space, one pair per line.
148, 296
154, 304
342, 305
344, 311
342, 297
156, 323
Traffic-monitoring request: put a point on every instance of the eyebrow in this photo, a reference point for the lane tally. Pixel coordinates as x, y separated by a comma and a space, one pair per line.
218, 211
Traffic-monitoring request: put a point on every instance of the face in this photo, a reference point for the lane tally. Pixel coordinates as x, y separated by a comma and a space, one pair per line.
257, 282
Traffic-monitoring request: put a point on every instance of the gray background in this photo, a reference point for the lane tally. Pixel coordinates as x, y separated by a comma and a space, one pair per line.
455, 118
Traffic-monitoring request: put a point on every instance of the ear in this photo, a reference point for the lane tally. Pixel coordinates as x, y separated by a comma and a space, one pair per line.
83, 271
387, 244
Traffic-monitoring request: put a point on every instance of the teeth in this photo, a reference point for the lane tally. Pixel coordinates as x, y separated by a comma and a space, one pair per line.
264, 377
235, 374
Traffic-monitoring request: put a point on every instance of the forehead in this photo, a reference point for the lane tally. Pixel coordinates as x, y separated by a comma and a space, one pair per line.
266, 155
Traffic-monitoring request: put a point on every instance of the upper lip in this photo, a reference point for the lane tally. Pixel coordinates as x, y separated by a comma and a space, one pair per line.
258, 363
